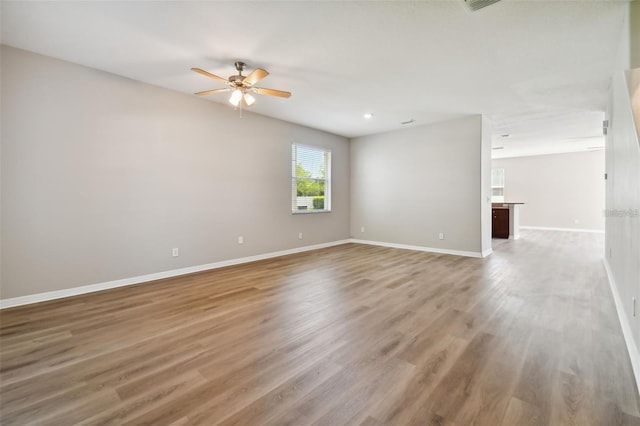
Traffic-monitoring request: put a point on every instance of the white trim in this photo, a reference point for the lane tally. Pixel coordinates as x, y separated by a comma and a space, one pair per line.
514, 221
419, 248
632, 347
487, 252
75, 291
546, 228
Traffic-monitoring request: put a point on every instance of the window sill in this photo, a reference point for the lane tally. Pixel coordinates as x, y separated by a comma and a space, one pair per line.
310, 211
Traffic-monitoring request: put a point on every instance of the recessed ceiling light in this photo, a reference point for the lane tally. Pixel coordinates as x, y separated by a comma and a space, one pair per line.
368, 115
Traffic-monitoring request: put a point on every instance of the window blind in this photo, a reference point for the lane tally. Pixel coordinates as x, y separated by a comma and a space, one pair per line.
311, 179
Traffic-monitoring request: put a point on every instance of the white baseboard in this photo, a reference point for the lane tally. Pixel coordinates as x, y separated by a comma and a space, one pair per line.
420, 248
75, 291
487, 252
546, 228
632, 347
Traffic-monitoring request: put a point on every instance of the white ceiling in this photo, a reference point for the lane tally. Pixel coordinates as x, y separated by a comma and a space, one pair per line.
538, 69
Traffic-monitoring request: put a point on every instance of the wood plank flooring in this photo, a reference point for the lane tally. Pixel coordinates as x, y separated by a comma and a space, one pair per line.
353, 334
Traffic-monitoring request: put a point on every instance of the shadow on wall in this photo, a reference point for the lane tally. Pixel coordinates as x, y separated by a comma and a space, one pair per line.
633, 83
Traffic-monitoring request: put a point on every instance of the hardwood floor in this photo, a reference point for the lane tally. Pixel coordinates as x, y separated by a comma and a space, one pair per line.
353, 334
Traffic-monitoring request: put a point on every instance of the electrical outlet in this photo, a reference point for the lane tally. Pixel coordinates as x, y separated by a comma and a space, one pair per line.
362, 229
240, 239
441, 236
174, 252
300, 235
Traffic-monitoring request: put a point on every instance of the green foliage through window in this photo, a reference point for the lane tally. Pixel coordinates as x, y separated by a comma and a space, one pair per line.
311, 169
318, 203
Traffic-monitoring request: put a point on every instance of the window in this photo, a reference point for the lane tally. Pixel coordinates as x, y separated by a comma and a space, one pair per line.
311, 179
497, 185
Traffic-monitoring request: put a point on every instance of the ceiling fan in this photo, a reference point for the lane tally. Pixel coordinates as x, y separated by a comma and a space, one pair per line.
241, 85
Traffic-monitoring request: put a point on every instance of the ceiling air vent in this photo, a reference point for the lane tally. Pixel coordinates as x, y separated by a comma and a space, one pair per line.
479, 4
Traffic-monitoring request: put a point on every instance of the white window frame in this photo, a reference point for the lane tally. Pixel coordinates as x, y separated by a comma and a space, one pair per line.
296, 204
497, 185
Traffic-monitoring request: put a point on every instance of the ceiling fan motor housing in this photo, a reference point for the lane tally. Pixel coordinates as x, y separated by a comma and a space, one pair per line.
236, 79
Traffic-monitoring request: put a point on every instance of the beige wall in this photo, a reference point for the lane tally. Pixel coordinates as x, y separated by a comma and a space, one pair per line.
560, 190
102, 176
409, 185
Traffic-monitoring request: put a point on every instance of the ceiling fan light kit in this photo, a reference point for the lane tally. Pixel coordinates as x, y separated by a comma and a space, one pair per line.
241, 95
241, 85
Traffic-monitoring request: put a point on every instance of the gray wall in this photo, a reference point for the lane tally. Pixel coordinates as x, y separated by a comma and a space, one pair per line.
560, 190
622, 236
102, 176
409, 185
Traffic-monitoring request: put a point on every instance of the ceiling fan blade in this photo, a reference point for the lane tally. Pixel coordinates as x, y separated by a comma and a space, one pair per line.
272, 92
255, 76
211, 92
208, 74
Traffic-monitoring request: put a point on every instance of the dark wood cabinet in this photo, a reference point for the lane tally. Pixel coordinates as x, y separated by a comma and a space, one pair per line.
500, 223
